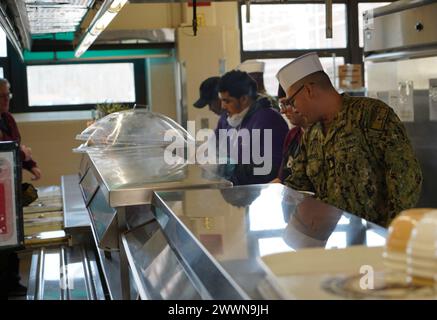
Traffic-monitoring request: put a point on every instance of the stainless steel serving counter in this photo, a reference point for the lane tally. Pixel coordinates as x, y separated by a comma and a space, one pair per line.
179, 232
131, 178
114, 180
117, 189
207, 243
75, 213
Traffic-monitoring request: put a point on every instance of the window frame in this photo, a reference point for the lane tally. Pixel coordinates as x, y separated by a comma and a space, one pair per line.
281, 53
352, 53
16, 72
139, 80
4, 61
87, 106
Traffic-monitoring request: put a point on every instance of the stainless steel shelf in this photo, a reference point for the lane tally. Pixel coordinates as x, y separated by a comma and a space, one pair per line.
220, 235
75, 212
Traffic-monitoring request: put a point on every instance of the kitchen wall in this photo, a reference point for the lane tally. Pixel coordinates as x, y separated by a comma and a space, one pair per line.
162, 90
52, 143
215, 50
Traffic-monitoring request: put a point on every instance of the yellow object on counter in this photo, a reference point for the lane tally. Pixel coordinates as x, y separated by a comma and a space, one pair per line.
399, 233
422, 250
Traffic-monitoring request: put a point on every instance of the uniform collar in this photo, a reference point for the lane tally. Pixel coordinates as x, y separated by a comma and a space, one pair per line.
339, 121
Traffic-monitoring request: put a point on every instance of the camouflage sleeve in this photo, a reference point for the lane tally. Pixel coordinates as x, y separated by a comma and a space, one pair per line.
403, 176
298, 179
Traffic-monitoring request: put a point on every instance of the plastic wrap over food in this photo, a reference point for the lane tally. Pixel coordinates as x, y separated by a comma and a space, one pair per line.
131, 129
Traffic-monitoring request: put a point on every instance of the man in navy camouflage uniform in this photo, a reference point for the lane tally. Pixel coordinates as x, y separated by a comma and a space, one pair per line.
355, 154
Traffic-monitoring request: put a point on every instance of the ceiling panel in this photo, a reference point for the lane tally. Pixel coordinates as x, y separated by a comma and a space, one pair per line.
53, 16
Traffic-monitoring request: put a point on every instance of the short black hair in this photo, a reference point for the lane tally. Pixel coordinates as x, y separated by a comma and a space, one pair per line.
238, 83
320, 78
281, 92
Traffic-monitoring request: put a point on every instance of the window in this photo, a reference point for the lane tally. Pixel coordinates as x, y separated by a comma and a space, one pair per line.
3, 42
3, 53
292, 26
279, 32
79, 84
364, 7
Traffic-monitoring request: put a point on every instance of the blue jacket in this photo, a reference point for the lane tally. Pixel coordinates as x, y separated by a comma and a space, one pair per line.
261, 116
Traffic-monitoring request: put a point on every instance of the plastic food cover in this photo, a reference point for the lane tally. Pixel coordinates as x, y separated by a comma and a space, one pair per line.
131, 129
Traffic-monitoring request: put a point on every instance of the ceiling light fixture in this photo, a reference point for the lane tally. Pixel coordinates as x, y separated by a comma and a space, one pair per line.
103, 18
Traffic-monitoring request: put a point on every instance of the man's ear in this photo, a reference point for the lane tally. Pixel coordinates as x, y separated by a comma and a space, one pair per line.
310, 89
244, 100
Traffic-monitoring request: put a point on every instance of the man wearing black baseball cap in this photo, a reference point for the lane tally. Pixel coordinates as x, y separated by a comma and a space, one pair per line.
209, 95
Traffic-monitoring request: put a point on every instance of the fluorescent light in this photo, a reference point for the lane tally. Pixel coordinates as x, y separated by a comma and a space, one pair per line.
104, 16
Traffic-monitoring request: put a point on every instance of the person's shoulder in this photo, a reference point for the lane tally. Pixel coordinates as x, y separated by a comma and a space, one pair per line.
264, 96
311, 134
368, 112
268, 118
8, 116
222, 120
365, 104
271, 115
223, 116
294, 130
264, 105
293, 133
263, 108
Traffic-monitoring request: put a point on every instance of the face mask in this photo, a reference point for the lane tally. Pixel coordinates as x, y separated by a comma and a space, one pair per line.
236, 119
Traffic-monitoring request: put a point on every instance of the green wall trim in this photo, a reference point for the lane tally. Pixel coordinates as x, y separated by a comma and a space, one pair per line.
95, 55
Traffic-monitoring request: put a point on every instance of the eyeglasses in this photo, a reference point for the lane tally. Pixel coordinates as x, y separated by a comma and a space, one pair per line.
285, 103
6, 95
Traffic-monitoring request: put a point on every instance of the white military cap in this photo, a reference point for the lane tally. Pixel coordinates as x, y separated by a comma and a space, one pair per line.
251, 66
298, 69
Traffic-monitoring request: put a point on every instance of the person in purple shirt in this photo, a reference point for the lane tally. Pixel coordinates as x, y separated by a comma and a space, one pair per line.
248, 114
